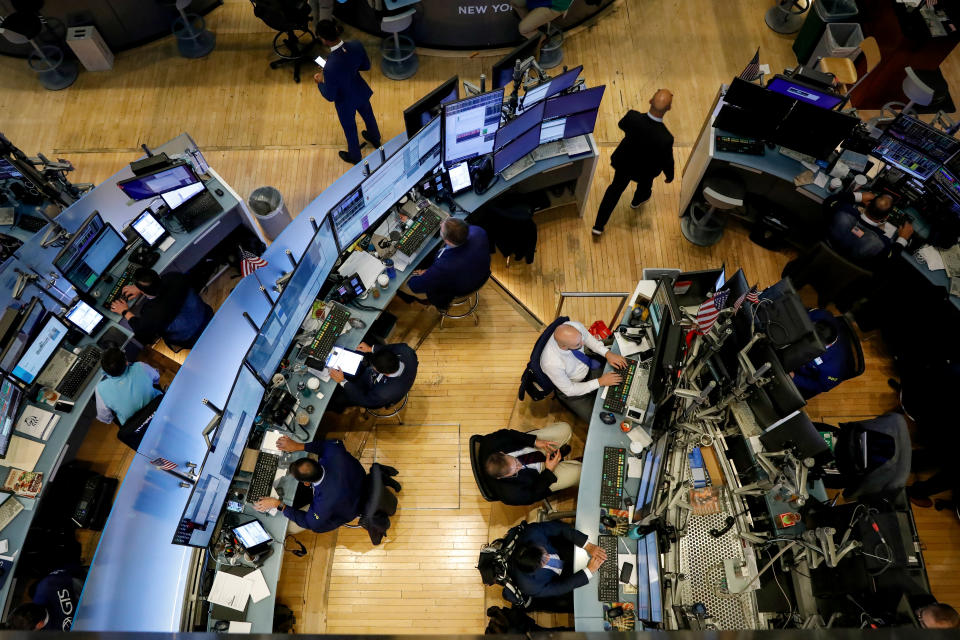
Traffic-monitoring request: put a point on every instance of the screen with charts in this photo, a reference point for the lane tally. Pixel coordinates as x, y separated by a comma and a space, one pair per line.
84, 316
153, 184
905, 158
79, 242
459, 177
148, 228
947, 184
470, 126
84, 272
549, 88
31, 319
551, 130
926, 139
8, 171
252, 534
38, 353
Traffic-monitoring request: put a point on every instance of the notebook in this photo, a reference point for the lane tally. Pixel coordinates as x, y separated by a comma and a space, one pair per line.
23, 453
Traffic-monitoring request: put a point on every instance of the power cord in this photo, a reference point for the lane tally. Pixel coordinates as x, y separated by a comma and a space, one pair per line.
301, 552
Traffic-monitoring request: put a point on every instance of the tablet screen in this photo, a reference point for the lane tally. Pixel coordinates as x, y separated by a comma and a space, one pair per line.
148, 228
252, 534
84, 316
345, 360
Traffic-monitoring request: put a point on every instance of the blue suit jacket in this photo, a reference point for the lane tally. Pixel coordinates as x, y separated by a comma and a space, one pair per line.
365, 390
555, 537
457, 271
336, 500
853, 238
343, 83
830, 368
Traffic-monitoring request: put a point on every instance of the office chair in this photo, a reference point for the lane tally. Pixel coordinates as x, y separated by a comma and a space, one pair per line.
54, 70
722, 192
786, 16
873, 456
845, 71
294, 42
378, 503
392, 410
834, 278
551, 51
132, 431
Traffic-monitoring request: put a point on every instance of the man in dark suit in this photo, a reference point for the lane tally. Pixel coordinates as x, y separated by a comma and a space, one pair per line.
831, 367
387, 374
859, 230
331, 486
542, 563
461, 266
645, 152
340, 82
527, 467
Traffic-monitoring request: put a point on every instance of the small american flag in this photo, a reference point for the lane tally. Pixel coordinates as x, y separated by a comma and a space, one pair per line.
250, 262
163, 464
753, 68
753, 295
710, 309
739, 301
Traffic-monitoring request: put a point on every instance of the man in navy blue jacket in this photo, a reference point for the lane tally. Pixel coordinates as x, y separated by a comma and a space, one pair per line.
340, 82
387, 374
862, 234
542, 564
461, 266
831, 367
336, 481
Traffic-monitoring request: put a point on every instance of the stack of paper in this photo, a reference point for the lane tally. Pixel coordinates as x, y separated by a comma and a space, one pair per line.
37, 423
233, 591
367, 266
23, 453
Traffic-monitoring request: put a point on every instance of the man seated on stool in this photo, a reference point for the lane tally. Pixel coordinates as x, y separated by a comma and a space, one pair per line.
862, 234
575, 374
386, 376
461, 266
173, 310
331, 486
536, 13
542, 563
829, 368
125, 389
527, 467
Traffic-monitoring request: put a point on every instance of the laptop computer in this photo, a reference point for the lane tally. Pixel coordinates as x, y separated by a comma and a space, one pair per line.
191, 205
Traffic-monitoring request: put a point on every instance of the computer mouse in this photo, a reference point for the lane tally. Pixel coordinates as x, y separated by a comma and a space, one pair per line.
607, 418
608, 521
218, 191
357, 323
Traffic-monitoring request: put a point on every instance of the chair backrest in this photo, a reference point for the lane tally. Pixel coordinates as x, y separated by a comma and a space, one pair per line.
534, 381
857, 364
132, 431
880, 476
479, 475
916, 89
871, 53
378, 503
283, 15
830, 273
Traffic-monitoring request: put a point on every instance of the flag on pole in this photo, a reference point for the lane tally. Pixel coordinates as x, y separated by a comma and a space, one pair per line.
163, 464
250, 262
739, 301
753, 68
709, 311
753, 295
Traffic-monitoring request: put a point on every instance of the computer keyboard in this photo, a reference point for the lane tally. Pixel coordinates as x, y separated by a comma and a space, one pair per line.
517, 168
608, 578
611, 477
796, 155
31, 223
9, 510
548, 150
639, 395
329, 331
422, 227
197, 210
740, 144
116, 293
261, 484
616, 398
85, 367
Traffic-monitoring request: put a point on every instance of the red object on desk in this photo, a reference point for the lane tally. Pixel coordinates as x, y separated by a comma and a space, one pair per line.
599, 330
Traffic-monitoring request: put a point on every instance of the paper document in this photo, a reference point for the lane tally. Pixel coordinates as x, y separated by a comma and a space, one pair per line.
629, 347
821, 180
345, 360
239, 627
930, 256
634, 467
22, 453
4, 546
258, 586
951, 260
364, 265
37, 423
270, 438
230, 591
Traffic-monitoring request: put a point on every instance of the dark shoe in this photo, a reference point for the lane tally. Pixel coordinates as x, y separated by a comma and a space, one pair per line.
923, 503
565, 451
346, 157
634, 204
366, 136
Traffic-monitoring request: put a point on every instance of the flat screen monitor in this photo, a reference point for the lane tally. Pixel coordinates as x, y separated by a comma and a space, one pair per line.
905, 158
807, 93
926, 139
40, 350
796, 432
552, 87
84, 317
349, 217
79, 242
751, 110
27, 324
665, 316
8, 171
521, 146
946, 183
417, 115
813, 130
148, 228
692, 287
10, 398
93, 260
744, 122
502, 72
585, 100
153, 184
580, 124
470, 126
552, 130
653, 577
519, 125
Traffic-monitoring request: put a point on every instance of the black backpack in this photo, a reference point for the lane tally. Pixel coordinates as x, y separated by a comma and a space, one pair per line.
534, 381
494, 562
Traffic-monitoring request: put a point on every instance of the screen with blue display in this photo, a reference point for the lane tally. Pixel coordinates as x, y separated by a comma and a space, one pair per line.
519, 125
291, 307
586, 100
520, 147
549, 88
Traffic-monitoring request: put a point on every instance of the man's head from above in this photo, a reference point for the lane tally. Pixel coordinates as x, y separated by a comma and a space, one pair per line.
567, 337
938, 616
500, 465
661, 102
306, 470
879, 208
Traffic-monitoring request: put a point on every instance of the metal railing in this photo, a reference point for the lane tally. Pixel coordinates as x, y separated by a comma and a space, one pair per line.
623, 295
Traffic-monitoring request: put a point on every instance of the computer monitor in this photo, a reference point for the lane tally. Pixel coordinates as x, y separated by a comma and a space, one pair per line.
905, 158
518, 126
586, 100
814, 131
84, 317
804, 92
502, 73
553, 129
10, 398
25, 327
551, 87
86, 259
783, 317
782, 394
665, 316
751, 110
796, 433
946, 183
460, 180
40, 350
148, 228
417, 115
926, 139
520, 147
349, 217
653, 576
692, 287
8, 171
470, 126
152, 184
580, 124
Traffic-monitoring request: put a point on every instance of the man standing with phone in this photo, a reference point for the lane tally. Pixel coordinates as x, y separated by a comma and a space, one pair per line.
340, 82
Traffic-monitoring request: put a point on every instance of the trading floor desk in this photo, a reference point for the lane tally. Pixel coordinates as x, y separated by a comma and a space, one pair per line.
139, 580
184, 253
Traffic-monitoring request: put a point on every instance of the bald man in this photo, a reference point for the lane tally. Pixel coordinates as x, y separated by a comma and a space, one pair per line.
645, 152
859, 230
576, 375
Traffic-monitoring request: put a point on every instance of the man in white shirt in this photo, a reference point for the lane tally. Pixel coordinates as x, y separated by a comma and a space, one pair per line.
576, 375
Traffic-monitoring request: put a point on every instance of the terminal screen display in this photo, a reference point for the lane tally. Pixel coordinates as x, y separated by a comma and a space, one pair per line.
85, 317
40, 350
153, 184
470, 126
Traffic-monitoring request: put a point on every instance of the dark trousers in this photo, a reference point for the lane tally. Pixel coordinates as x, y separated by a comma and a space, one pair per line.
582, 406
944, 477
612, 195
348, 120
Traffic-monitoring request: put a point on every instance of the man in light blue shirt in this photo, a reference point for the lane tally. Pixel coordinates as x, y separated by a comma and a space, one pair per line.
125, 389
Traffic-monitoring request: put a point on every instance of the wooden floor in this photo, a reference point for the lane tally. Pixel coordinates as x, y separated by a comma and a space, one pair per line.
257, 128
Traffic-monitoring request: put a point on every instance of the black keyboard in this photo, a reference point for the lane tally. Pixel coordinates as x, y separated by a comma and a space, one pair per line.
740, 144
30, 223
611, 477
86, 365
263, 473
616, 398
197, 210
608, 578
422, 227
116, 293
329, 331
